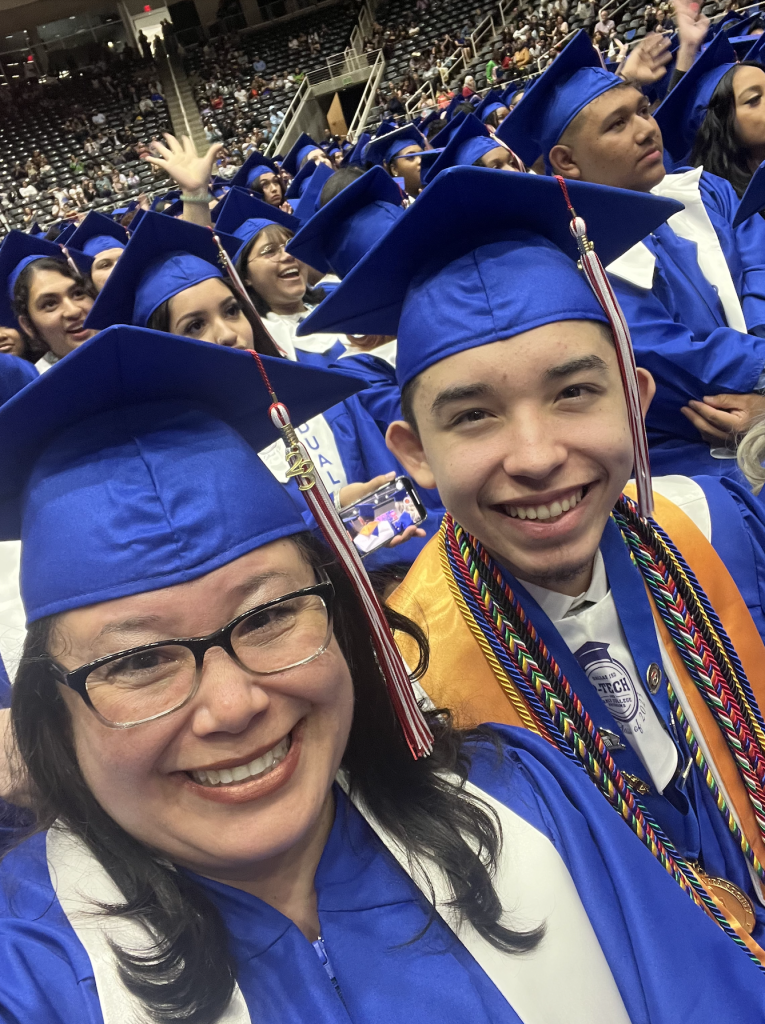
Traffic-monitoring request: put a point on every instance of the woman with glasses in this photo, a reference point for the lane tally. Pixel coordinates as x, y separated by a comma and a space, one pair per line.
230, 826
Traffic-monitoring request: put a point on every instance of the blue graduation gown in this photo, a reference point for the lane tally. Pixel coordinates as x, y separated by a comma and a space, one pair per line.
669, 960
680, 334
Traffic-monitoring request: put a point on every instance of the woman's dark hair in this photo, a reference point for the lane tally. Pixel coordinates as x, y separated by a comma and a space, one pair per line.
160, 321
717, 145
274, 233
23, 285
190, 973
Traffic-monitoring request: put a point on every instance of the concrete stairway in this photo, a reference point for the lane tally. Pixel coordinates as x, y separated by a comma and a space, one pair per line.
183, 111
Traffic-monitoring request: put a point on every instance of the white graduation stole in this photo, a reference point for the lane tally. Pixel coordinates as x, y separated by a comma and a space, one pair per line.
532, 882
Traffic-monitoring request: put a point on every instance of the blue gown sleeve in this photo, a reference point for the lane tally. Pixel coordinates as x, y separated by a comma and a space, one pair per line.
748, 238
725, 361
669, 960
46, 974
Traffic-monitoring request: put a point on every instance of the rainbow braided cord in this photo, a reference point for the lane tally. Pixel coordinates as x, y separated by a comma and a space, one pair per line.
721, 681
523, 655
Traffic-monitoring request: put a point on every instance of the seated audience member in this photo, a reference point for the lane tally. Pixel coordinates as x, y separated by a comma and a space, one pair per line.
488, 865
45, 295
399, 153
692, 293
514, 407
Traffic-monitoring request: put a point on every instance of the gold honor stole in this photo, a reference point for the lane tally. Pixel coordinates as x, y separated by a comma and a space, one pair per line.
463, 675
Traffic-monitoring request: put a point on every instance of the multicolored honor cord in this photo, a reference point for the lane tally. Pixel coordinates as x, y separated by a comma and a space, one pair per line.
498, 619
416, 730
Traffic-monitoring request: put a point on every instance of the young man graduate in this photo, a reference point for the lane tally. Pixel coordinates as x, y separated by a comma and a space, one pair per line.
549, 601
693, 291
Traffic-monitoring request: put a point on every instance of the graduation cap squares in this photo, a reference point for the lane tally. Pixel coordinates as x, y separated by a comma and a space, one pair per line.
96, 234
386, 147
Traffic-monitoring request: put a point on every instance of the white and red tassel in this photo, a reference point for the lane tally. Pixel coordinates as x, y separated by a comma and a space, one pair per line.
601, 286
415, 728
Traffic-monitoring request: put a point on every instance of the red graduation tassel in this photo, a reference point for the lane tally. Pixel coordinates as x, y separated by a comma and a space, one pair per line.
601, 286
416, 730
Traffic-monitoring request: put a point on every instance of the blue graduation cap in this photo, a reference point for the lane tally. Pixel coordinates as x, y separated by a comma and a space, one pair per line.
65, 234
385, 128
753, 200
342, 232
550, 104
355, 156
137, 218
15, 374
96, 234
727, 23
756, 51
681, 114
308, 203
427, 158
468, 144
443, 291
132, 465
299, 183
168, 197
240, 211
387, 147
35, 230
492, 101
162, 258
122, 210
454, 102
423, 123
442, 138
17, 251
253, 167
298, 153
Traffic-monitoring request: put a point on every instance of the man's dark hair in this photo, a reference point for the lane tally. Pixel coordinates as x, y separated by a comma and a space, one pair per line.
340, 179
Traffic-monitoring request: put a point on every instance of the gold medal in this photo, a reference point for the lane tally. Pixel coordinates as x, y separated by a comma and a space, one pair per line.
734, 902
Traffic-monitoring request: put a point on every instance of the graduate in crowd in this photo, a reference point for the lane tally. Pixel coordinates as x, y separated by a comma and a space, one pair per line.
473, 145
45, 294
693, 292
233, 827
263, 178
398, 152
535, 611
492, 110
713, 116
102, 239
169, 279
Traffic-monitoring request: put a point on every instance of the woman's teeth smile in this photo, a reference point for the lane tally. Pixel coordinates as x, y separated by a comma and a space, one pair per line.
290, 273
260, 766
543, 512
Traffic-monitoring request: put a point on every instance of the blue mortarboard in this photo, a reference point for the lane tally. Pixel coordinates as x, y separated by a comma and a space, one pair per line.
298, 153
753, 200
298, 184
510, 268
15, 374
492, 101
682, 112
427, 159
122, 210
384, 128
162, 258
17, 252
426, 122
137, 218
308, 203
454, 102
727, 23
756, 51
253, 167
442, 138
35, 230
96, 234
168, 197
469, 143
387, 147
65, 234
567, 86
132, 465
241, 207
342, 232
355, 156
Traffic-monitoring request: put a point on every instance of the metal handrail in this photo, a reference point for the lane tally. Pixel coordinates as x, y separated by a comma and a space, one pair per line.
411, 102
367, 97
289, 116
478, 33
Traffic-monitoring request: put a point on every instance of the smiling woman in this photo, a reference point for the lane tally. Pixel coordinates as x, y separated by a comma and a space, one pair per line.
51, 302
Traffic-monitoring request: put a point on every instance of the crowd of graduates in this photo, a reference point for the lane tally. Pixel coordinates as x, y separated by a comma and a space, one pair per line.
509, 766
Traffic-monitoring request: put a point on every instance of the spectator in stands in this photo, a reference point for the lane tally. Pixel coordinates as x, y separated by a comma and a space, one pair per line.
27, 190
103, 186
98, 118
89, 190
605, 24
145, 45
17, 172
146, 105
468, 87
259, 65
76, 165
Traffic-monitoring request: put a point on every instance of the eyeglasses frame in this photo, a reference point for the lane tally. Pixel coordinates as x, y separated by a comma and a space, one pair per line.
76, 679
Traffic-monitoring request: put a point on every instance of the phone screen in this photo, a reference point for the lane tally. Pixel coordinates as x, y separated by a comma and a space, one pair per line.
387, 512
